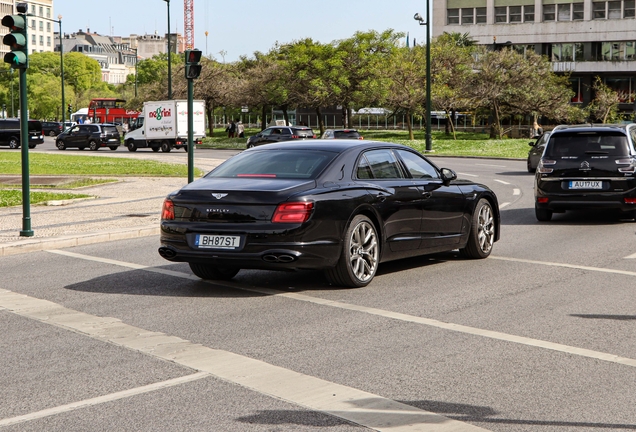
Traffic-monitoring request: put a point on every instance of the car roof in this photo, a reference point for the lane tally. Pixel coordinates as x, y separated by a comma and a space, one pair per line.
341, 130
328, 145
590, 128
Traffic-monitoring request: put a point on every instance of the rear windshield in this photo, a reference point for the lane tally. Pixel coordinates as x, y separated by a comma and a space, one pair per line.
346, 134
110, 129
587, 143
288, 164
35, 126
303, 131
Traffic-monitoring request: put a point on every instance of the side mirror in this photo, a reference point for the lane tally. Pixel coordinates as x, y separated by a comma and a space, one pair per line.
448, 175
531, 143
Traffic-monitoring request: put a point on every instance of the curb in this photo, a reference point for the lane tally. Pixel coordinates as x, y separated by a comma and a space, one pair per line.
40, 244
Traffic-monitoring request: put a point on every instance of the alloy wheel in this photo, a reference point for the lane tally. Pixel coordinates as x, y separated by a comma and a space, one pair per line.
363, 251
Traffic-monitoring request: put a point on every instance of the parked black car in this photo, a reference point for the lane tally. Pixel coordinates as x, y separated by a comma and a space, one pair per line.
587, 167
280, 133
342, 206
93, 136
52, 128
341, 134
10, 133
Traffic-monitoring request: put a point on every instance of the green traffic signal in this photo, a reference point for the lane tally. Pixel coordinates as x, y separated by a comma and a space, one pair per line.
18, 58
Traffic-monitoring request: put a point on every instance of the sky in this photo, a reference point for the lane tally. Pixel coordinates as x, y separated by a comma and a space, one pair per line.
241, 27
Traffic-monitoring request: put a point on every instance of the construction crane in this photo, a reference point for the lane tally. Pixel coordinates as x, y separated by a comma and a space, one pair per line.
188, 23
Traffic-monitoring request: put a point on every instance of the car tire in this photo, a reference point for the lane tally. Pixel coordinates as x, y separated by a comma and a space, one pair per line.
93, 145
131, 146
360, 255
155, 149
185, 148
14, 143
113, 147
542, 215
165, 147
61, 145
481, 237
32, 146
52, 134
212, 272
250, 145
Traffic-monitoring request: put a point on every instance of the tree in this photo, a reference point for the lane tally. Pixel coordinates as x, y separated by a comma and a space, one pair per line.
407, 75
604, 107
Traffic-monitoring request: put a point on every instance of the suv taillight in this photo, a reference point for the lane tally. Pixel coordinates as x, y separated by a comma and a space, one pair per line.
295, 137
293, 212
631, 169
542, 163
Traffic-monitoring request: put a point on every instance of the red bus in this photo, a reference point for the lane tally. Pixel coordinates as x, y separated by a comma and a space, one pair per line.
110, 110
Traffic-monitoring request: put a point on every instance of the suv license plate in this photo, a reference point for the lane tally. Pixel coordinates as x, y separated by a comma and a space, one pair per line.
586, 184
204, 241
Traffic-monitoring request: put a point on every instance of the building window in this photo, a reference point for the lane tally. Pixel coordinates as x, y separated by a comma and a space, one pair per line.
629, 9
48, 26
548, 13
614, 10
598, 10
452, 16
33, 9
41, 11
567, 52
42, 40
41, 25
576, 88
564, 12
617, 51
523, 49
501, 14
33, 39
481, 14
622, 86
48, 12
48, 41
577, 11
514, 14
33, 24
528, 14
467, 16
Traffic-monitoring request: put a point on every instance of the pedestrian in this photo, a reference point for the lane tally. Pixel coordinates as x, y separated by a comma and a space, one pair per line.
240, 129
536, 130
231, 129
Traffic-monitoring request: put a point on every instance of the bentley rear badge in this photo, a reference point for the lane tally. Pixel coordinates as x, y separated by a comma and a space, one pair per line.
219, 195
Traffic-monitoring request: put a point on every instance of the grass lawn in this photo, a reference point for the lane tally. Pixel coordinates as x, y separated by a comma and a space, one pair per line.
47, 164
467, 143
12, 197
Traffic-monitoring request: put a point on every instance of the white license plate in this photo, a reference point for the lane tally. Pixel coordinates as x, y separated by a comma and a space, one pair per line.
113, 139
586, 184
204, 241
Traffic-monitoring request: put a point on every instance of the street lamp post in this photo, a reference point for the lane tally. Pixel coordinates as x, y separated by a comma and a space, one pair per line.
136, 60
169, 54
427, 23
59, 21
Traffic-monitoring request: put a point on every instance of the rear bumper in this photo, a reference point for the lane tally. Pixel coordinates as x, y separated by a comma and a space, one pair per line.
606, 200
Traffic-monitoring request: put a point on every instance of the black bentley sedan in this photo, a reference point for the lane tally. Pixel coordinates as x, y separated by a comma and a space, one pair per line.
343, 206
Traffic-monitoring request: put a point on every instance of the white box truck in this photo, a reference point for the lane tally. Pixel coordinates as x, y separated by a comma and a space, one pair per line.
164, 125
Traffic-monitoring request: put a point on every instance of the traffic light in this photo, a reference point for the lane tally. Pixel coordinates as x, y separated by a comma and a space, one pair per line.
18, 58
192, 64
69, 108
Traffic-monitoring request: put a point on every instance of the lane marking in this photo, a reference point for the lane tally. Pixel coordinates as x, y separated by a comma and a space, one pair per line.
571, 266
103, 399
409, 318
469, 175
632, 256
487, 165
357, 406
516, 191
501, 181
502, 205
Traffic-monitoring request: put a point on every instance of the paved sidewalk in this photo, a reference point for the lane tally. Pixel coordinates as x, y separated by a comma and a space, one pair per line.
128, 208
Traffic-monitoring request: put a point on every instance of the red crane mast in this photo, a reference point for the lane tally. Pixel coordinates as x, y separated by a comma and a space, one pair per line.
188, 23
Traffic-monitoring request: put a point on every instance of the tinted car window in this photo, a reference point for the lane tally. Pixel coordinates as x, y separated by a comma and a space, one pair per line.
587, 143
110, 129
417, 166
300, 164
383, 164
303, 132
346, 134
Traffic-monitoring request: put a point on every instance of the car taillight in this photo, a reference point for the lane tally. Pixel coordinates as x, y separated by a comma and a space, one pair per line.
542, 163
314, 136
361, 137
542, 200
293, 212
631, 169
167, 213
295, 137
630, 200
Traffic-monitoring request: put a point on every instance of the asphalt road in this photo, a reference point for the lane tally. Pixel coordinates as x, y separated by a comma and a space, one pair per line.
538, 337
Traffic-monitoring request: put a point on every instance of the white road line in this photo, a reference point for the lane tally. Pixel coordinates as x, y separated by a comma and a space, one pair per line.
571, 266
502, 205
487, 165
415, 319
357, 406
103, 399
516, 191
632, 256
501, 181
468, 175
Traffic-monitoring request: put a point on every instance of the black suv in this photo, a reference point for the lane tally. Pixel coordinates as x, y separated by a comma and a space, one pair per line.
280, 133
587, 167
10, 133
51, 128
93, 136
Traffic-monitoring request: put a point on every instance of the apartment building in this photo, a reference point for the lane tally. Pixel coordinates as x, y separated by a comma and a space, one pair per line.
41, 26
584, 38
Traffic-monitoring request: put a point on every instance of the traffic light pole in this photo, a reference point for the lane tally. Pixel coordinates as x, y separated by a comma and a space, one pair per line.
24, 146
190, 131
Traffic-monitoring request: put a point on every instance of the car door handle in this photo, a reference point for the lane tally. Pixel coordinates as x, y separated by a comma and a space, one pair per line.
426, 195
381, 197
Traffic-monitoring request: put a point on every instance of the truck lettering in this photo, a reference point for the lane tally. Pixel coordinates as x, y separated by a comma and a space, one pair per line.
160, 113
